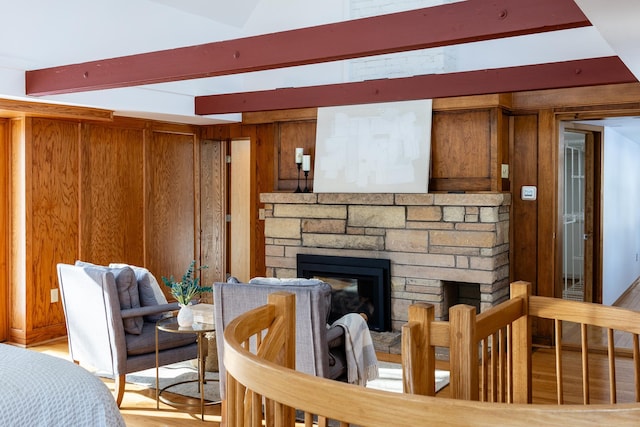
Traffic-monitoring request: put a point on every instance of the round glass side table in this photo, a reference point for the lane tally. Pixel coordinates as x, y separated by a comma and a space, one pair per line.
170, 325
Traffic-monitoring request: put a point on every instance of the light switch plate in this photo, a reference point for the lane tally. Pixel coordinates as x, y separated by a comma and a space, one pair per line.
54, 295
505, 171
529, 192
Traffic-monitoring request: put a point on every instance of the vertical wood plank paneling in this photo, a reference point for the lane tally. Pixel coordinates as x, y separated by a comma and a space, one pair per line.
213, 208
502, 152
17, 224
112, 195
4, 229
170, 203
263, 181
52, 231
524, 212
547, 202
79, 190
547, 214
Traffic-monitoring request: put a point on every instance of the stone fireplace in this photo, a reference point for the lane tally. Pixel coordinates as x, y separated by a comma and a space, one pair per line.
432, 241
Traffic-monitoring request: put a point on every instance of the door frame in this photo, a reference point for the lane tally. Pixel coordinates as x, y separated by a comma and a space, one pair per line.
593, 261
5, 218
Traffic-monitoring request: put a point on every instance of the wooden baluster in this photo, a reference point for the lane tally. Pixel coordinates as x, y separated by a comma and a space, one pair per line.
559, 380
494, 367
308, 419
502, 371
636, 365
255, 416
584, 340
509, 367
611, 350
485, 370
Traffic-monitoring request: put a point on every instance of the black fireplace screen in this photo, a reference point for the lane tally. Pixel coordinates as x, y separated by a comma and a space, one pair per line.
359, 285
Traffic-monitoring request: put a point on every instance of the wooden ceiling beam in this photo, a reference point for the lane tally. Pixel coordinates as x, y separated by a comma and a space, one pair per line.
579, 73
449, 24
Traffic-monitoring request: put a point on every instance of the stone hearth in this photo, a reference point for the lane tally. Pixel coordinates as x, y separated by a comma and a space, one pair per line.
430, 239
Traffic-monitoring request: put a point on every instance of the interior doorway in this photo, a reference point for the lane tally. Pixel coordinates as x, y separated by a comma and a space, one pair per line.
580, 205
240, 259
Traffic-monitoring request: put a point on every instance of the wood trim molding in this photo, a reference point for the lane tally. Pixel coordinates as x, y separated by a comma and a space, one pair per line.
17, 108
475, 20
441, 104
614, 94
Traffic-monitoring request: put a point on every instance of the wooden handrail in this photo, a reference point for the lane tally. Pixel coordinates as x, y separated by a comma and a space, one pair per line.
256, 378
579, 312
501, 370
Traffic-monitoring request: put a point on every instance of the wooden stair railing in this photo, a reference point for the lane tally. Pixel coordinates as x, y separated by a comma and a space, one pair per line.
490, 354
498, 372
256, 377
617, 327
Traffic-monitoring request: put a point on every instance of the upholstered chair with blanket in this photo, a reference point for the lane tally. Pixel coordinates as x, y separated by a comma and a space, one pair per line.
110, 313
320, 349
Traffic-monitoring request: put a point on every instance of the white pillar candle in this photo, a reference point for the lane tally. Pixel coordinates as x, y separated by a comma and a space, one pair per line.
306, 162
299, 152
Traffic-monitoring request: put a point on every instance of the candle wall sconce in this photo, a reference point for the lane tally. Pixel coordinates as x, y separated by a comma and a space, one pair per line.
306, 188
306, 167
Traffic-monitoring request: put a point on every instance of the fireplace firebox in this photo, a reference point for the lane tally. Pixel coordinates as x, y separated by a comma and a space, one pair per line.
360, 285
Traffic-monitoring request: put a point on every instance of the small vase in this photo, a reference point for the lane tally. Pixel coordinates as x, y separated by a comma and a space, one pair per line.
185, 316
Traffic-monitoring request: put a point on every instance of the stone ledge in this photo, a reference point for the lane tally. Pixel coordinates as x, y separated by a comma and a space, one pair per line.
439, 199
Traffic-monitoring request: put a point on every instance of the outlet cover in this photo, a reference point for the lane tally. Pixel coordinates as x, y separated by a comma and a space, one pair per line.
54, 295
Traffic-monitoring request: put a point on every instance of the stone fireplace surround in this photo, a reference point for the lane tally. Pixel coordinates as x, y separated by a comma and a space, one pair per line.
431, 240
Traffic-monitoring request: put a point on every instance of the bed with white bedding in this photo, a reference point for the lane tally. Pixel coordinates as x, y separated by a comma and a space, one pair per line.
41, 390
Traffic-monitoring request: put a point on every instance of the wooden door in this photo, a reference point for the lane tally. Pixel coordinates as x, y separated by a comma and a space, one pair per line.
240, 209
579, 191
213, 210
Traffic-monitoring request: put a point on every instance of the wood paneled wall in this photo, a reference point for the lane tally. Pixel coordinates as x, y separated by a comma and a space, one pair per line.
172, 204
524, 166
123, 191
468, 145
73, 186
111, 195
51, 210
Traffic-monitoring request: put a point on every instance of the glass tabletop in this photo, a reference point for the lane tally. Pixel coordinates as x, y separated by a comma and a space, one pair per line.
170, 324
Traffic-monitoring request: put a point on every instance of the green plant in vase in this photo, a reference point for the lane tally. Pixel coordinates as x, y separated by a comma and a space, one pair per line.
185, 290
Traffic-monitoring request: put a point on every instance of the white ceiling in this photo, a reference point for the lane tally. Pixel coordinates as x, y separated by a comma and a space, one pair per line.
42, 33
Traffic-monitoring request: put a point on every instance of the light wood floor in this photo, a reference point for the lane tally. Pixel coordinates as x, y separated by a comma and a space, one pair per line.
139, 405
